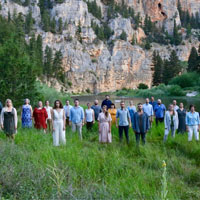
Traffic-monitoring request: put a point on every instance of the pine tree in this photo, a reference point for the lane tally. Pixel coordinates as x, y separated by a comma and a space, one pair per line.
48, 59
192, 61
177, 39
60, 25
29, 22
57, 66
53, 25
39, 51
158, 68
123, 36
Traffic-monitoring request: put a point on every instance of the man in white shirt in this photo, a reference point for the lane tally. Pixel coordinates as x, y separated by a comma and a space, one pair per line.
67, 109
175, 105
148, 109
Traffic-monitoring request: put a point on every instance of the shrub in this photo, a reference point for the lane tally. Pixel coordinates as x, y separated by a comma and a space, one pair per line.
176, 90
142, 86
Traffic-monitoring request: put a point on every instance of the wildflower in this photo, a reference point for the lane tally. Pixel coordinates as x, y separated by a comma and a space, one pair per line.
164, 164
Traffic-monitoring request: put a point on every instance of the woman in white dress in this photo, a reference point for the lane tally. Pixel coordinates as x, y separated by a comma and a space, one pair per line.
49, 120
104, 120
58, 122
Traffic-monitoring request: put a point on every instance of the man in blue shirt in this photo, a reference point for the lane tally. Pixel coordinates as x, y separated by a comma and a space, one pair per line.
192, 123
124, 121
76, 117
140, 124
148, 109
153, 102
159, 111
107, 102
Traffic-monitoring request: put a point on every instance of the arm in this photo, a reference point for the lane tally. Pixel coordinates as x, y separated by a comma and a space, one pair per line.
52, 117
31, 111
147, 123
2, 117
198, 120
64, 120
165, 120
129, 118
82, 117
16, 119
93, 116
117, 116
85, 117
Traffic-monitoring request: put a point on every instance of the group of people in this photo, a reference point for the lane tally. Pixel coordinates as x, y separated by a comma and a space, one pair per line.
56, 119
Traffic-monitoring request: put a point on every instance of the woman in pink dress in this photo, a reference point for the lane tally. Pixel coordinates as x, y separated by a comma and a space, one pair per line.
104, 120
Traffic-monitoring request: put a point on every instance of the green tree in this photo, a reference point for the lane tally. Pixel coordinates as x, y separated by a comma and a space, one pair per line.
123, 36
48, 61
29, 22
60, 25
177, 38
53, 25
193, 60
57, 66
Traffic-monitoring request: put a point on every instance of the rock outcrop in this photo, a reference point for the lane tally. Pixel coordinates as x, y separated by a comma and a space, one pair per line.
100, 66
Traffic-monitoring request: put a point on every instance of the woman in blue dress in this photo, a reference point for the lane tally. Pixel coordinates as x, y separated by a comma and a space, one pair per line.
26, 114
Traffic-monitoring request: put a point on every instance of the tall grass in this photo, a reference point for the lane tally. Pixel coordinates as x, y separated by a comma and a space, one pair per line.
32, 168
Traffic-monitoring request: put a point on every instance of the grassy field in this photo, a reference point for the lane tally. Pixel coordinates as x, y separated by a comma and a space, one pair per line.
31, 168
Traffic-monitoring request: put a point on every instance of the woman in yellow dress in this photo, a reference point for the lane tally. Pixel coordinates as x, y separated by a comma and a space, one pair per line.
113, 112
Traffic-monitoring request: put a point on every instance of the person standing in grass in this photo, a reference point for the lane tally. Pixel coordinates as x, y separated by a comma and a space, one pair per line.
181, 117
89, 117
107, 102
140, 124
124, 121
171, 122
1, 107
67, 108
9, 120
192, 123
97, 109
113, 112
175, 105
148, 109
58, 123
76, 117
132, 109
26, 115
153, 102
49, 120
159, 110
40, 116
104, 121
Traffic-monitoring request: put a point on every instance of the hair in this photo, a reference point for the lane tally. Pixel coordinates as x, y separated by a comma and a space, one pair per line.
76, 100
46, 101
107, 95
7, 102
106, 113
192, 105
139, 104
25, 100
112, 104
88, 103
122, 102
61, 106
66, 100
173, 109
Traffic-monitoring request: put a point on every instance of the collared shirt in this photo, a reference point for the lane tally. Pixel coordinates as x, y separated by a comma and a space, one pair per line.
124, 116
153, 103
76, 115
176, 108
106, 102
97, 110
131, 110
160, 110
67, 110
192, 119
148, 108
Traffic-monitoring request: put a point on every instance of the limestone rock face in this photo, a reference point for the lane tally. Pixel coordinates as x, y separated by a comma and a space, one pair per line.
101, 66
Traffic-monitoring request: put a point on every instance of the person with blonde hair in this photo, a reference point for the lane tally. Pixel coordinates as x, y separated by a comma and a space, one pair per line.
9, 119
26, 114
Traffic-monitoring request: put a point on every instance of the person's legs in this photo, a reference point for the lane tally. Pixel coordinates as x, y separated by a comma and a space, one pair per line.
89, 125
73, 127
173, 131
166, 135
56, 135
190, 133
126, 129
156, 121
143, 138
62, 138
137, 136
79, 128
196, 133
120, 133
67, 121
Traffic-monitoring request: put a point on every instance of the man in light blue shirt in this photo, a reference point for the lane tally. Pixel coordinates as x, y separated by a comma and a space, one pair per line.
192, 123
76, 117
124, 121
148, 109
67, 107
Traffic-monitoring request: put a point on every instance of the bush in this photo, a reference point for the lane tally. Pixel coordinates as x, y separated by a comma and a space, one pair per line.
142, 86
186, 80
176, 90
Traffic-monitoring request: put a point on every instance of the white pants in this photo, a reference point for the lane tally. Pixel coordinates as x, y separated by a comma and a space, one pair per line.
190, 132
77, 127
59, 133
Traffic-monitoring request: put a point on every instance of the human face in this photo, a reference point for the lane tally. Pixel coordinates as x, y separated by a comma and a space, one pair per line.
131, 103
104, 108
147, 100
159, 101
171, 107
181, 105
112, 107
57, 104
140, 107
174, 102
152, 99
9, 103
88, 105
40, 104
192, 109
47, 103
76, 103
67, 102
107, 97
26, 101
122, 104
96, 102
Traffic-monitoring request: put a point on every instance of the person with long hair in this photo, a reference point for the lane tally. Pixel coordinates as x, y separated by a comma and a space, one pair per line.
192, 123
89, 117
171, 122
49, 120
26, 114
104, 122
181, 117
9, 119
40, 115
113, 112
58, 117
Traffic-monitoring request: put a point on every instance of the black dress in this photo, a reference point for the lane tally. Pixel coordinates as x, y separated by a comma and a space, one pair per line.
181, 118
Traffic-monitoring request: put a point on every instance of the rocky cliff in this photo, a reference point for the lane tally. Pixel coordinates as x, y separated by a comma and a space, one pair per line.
106, 65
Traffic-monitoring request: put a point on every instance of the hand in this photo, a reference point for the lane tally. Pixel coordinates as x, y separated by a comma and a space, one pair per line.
187, 129
117, 126
83, 124
53, 129
63, 128
93, 122
109, 130
99, 130
2, 126
70, 123
129, 125
15, 127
